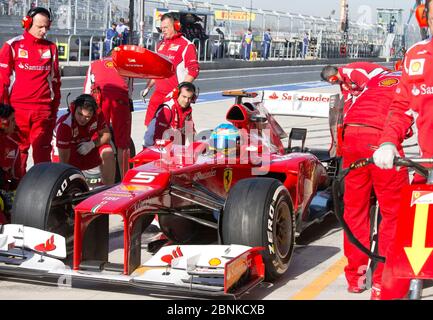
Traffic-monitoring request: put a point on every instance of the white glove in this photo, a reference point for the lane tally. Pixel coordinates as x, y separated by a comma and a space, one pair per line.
144, 93
85, 147
384, 156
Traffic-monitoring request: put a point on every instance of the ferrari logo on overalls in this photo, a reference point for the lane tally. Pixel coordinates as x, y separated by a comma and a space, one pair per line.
228, 178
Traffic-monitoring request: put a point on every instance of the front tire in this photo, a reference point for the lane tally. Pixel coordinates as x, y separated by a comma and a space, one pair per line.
44, 183
259, 213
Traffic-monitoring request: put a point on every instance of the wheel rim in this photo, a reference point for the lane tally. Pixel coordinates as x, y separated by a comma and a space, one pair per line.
283, 230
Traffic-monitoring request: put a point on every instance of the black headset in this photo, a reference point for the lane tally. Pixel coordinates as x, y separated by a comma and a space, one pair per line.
81, 100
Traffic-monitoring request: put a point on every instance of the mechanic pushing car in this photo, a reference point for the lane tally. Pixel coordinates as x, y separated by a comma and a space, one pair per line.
32, 61
182, 53
413, 96
175, 114
83, 138
363, 124
113, 91
10, 166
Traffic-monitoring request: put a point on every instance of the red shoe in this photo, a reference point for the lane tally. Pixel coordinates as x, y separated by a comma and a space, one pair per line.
375, 292
355, 289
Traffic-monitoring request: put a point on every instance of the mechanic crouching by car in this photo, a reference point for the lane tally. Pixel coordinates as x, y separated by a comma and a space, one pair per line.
10, 165
83, 138
175, 114
413, 97
363, 124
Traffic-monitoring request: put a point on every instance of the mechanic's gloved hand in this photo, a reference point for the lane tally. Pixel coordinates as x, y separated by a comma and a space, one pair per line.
85, 147
384, 156
144, 93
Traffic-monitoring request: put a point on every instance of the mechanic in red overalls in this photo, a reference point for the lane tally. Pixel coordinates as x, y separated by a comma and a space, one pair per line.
83, 138
32, 61
174, 114
363, 124
113, 91
10, 166
182, 53
414, 97
352, 78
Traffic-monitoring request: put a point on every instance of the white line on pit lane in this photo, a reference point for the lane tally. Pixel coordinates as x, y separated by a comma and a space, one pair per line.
220, 78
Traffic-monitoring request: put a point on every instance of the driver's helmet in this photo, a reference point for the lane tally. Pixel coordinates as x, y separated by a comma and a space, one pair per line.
225, 139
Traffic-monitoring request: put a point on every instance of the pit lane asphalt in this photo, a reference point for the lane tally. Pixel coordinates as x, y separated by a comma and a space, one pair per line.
316, 269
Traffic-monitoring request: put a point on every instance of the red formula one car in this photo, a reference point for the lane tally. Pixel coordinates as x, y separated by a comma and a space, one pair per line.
231, 222
230, 219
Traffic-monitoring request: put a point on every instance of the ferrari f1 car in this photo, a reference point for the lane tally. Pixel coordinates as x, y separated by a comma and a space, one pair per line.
230, 219
231, 222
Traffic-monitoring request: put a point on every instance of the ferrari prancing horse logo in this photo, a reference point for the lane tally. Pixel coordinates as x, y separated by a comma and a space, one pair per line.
228, 178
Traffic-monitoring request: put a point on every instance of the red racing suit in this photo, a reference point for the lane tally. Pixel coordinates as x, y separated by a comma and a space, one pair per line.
69, 135
170, 115
34, 93
182, 53
115, 91
413, 97
363, 126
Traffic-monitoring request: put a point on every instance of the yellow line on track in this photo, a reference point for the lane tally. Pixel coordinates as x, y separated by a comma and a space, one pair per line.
319, 284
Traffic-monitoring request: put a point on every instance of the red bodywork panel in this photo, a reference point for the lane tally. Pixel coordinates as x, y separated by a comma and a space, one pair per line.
412, 254
137, 62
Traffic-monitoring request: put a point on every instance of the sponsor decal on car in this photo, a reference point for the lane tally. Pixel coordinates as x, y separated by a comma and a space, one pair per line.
215, 262
47, 246
98, 206
204, 175
228, 178
144, 177
274, 96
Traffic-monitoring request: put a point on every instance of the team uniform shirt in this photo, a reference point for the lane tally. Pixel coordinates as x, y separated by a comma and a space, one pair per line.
69, 135
413, 98
170, 115
183, 55
115, 94
371, 106
9, 157
355, 77
30, 75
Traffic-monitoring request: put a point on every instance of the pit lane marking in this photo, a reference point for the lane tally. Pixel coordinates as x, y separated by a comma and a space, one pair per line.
319, 284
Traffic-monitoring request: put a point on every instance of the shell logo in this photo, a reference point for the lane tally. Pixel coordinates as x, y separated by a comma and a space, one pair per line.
215, 262
416, 66
274, 96
389, 82
109, 64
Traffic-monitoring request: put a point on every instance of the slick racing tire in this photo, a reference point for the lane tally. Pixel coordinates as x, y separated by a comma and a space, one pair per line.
259, 213
44, 183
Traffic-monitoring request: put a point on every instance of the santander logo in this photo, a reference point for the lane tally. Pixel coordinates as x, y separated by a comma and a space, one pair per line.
274, 96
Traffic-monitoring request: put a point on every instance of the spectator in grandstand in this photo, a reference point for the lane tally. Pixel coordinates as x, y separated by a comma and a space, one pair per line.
32, 62
247, 44
112, 93
266, 45
83, 138
111, 39
182, 53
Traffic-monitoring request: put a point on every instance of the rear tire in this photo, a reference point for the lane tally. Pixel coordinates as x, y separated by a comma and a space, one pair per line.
259, 213
44, 183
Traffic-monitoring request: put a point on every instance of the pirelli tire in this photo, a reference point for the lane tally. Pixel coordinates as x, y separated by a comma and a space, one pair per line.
44, 183
259, 213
